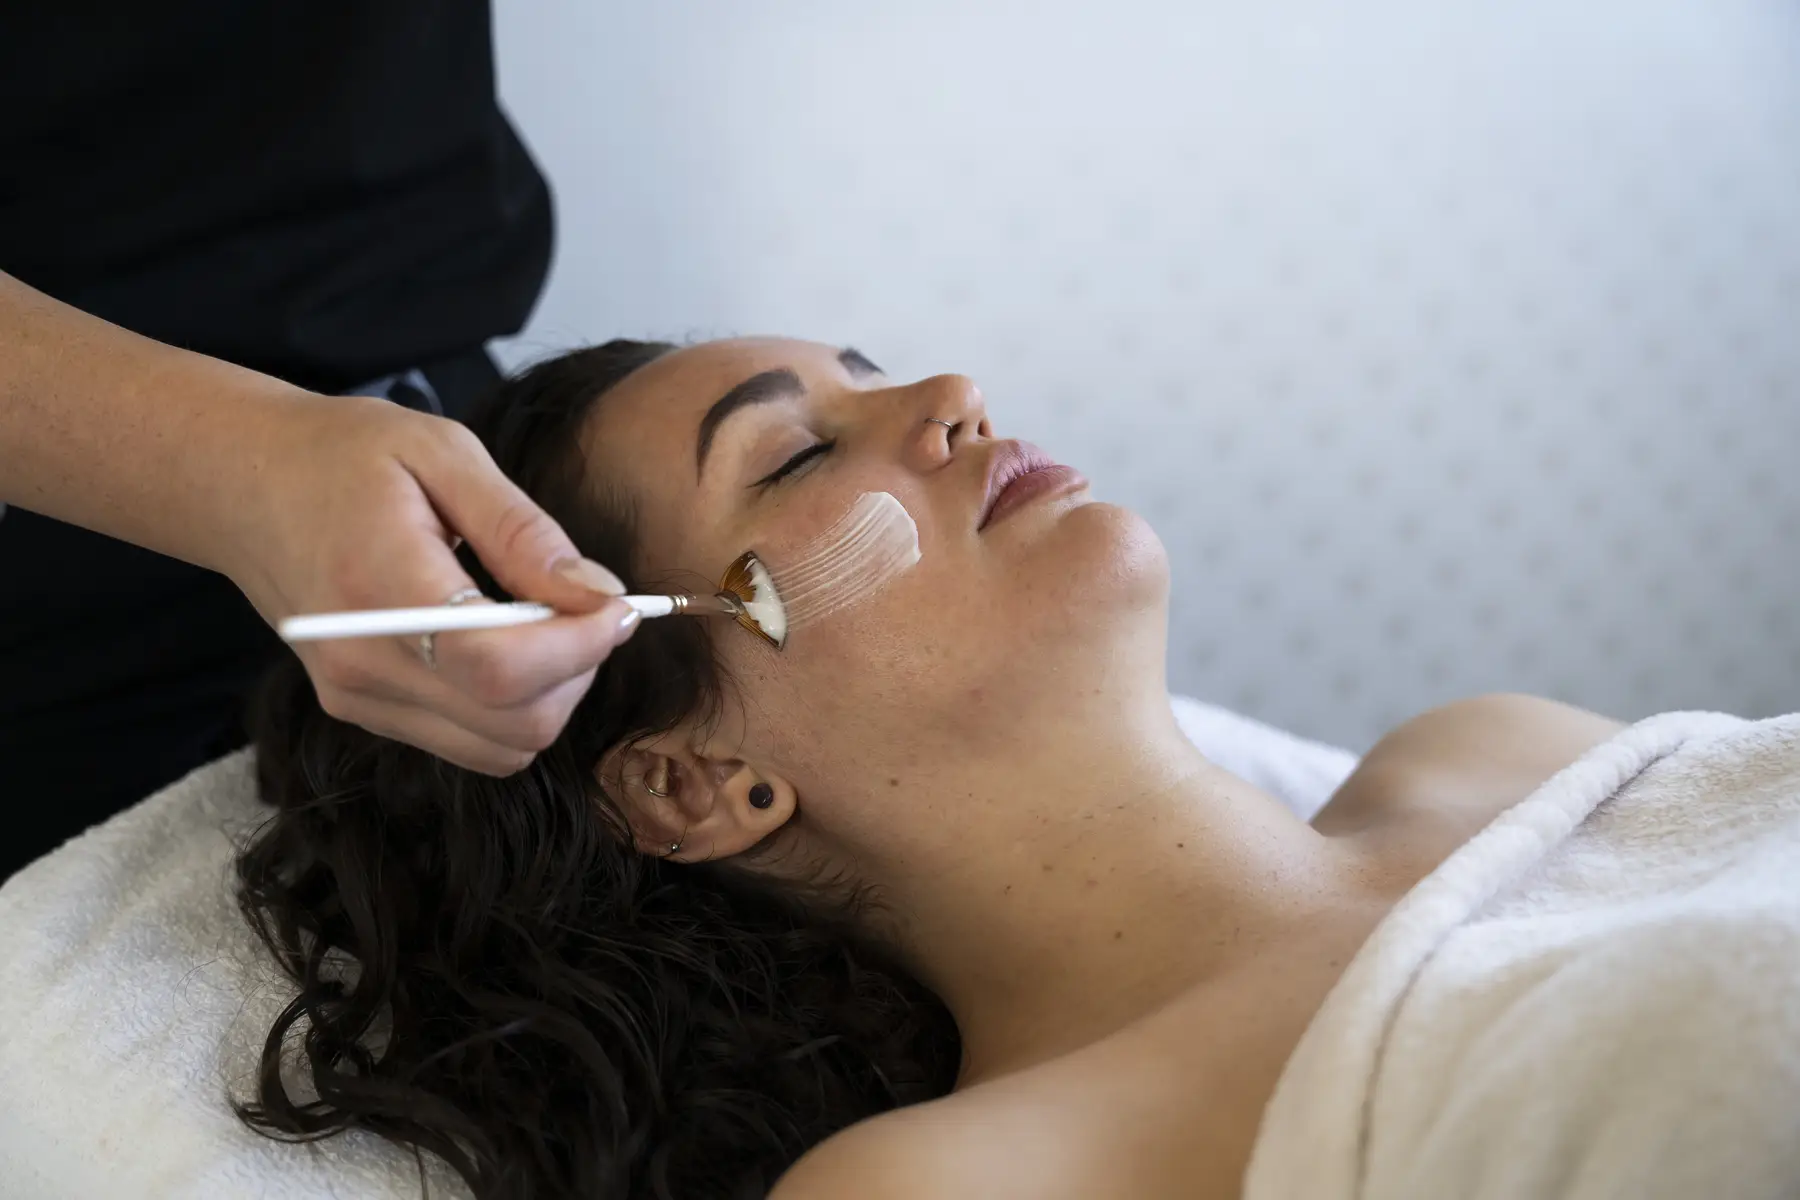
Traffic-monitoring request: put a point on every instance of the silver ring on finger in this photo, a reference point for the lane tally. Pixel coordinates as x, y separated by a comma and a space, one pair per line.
428, 641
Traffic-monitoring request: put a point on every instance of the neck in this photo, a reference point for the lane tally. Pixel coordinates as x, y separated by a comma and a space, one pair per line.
1120, 870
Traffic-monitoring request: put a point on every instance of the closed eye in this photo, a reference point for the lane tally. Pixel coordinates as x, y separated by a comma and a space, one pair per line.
816, 450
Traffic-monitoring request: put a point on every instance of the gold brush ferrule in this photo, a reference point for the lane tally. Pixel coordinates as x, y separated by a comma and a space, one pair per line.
719, 604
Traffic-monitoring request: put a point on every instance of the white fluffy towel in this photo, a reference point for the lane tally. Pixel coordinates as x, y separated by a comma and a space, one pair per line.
133, 1000
1598, 996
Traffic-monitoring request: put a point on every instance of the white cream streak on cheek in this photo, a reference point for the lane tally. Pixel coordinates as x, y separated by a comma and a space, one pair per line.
871, 544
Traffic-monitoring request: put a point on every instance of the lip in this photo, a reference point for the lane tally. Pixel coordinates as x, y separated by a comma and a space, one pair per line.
1019, 473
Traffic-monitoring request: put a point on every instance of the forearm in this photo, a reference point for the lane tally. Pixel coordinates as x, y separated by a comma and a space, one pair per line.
120, 434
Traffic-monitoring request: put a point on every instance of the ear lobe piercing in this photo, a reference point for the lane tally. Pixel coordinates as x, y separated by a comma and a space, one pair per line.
762, 796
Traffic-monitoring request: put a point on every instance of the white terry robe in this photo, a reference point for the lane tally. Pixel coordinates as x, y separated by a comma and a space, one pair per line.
1597, 996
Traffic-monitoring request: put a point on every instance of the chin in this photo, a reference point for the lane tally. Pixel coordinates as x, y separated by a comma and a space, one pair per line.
1112, 557
1083, 621
1098, 575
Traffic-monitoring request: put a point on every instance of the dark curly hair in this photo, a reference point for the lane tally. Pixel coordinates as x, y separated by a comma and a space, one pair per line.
489, 971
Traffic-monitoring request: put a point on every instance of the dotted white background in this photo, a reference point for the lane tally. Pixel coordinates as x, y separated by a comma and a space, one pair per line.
1449, 347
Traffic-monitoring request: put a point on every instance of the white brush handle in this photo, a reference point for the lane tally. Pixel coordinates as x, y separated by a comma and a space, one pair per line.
393, 622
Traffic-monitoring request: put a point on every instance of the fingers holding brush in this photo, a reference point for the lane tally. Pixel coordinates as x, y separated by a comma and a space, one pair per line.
503, 669
485, 699
358, 504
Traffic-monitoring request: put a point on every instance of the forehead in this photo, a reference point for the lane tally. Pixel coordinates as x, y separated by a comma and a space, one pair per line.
640, 439
678, 387
650, 419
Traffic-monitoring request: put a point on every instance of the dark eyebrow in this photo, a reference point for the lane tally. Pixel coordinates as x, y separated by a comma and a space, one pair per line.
856, 362
779, 384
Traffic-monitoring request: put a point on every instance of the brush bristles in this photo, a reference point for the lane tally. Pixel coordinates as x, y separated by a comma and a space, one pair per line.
859, 554
762, 613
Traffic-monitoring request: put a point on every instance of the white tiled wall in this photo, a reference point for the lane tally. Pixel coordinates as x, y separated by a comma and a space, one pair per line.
1449, 346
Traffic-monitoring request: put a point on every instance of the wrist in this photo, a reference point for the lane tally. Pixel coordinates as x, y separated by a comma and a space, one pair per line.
247, 496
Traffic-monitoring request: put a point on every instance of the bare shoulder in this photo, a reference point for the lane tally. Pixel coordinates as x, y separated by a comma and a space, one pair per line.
1503, 728
883, 1158
1024, 1137
923, 1152
1162, 1108
1468, 759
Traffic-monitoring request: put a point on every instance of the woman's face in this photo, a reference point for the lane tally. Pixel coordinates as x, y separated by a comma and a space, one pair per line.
762, 444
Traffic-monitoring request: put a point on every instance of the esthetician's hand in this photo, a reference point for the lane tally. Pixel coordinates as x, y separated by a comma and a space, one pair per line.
358, 503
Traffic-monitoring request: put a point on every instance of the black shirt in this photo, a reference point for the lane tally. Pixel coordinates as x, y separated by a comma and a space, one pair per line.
325, 190
322, 189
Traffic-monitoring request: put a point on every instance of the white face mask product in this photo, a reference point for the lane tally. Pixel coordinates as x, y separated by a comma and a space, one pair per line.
857, 556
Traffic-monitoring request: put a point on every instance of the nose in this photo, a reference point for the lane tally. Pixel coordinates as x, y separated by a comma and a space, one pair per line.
948, 413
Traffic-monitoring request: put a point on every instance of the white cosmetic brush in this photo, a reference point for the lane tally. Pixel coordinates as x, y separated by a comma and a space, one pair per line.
872, 543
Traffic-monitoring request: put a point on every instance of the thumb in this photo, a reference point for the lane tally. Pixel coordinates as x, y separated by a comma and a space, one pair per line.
526, 551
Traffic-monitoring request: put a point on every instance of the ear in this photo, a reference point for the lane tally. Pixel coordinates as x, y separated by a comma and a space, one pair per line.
707, 812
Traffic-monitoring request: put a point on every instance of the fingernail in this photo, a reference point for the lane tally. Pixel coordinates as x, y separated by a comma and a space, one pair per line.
629, 622
590, 575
